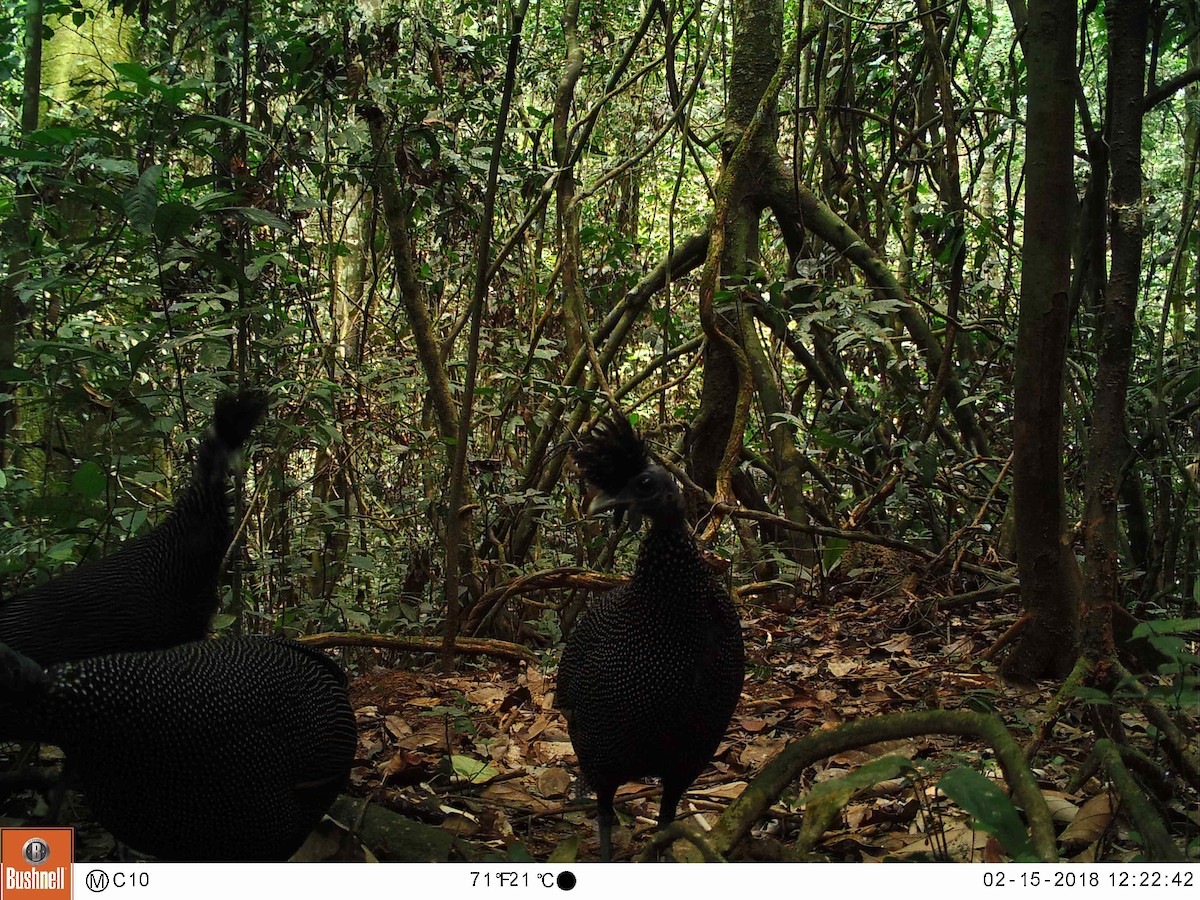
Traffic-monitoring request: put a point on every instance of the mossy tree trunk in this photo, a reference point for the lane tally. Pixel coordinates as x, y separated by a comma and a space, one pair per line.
757, 45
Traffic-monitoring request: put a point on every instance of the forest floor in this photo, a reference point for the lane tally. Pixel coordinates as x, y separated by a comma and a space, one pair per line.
485, 755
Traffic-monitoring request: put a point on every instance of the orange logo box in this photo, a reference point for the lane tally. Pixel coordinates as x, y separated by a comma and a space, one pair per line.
35, 863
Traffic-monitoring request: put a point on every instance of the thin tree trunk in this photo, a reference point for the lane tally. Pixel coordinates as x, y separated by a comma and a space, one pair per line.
1107, 445
459, 556
1048, 647
755, 56
412, 297
16, 231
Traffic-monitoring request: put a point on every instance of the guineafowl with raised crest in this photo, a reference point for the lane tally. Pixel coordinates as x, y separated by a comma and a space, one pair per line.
155, 591
652, 671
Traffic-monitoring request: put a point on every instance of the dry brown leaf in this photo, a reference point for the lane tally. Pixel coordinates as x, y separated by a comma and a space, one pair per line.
460, 823
487, 696
761, 749
397, 727
1063, 807
962, 843
553, 751
554, 782
899, 644
729, 791
840, 668
496, 749
993, 852
513, 796
1092, 821
540, 724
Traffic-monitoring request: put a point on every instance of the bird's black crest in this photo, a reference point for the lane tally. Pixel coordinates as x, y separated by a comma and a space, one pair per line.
611, 454
235, 415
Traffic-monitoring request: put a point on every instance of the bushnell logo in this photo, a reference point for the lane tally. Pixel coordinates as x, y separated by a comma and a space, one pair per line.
35, 864
36, 851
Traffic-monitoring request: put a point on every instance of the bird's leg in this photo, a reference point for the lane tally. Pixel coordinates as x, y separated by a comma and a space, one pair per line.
605, 818
672, 793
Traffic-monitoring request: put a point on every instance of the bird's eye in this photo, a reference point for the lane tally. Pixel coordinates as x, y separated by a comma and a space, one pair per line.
645, 484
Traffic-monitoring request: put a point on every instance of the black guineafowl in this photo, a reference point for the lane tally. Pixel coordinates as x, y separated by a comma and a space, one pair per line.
156, 591
226, 749
651, 673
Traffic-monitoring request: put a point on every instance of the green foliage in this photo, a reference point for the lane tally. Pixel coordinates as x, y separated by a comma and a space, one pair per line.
1174, 639
204, 213
991, 808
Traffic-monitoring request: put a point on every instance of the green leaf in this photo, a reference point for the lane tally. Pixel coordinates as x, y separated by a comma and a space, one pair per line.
518, 853
89, 481
138, 352
992, 810
471, 769
221, 621
1154, 628
63, 551
131, 71
832, 554
197, 121
567, 851
173, 220
55, 136
171, 94
21, 153
256, 216
831, 441
141, 202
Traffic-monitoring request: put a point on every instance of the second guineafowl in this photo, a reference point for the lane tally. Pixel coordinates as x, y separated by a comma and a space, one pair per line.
651, 673
218, 750
156, 591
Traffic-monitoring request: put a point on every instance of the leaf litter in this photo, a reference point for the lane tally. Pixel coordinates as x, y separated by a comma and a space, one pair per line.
863, 647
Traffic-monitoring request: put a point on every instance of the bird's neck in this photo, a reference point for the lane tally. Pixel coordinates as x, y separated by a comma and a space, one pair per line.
668, 556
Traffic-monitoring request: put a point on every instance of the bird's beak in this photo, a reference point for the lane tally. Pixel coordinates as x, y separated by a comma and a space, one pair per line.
603, 502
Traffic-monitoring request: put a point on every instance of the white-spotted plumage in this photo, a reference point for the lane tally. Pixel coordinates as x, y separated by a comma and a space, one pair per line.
229, 749
652, 672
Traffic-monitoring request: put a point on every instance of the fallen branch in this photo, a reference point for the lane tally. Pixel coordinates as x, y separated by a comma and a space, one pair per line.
546, 579
784, 769
991, 592
463, 645
1176, 745
1155, 840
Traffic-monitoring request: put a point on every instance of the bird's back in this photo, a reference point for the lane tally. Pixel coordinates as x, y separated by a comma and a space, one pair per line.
223, 749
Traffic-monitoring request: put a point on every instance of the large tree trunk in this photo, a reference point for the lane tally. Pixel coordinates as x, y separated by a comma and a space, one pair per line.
1107, 446
1048, 646
757, 45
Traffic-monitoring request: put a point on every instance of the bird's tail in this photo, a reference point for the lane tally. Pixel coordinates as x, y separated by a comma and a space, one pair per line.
234, 417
